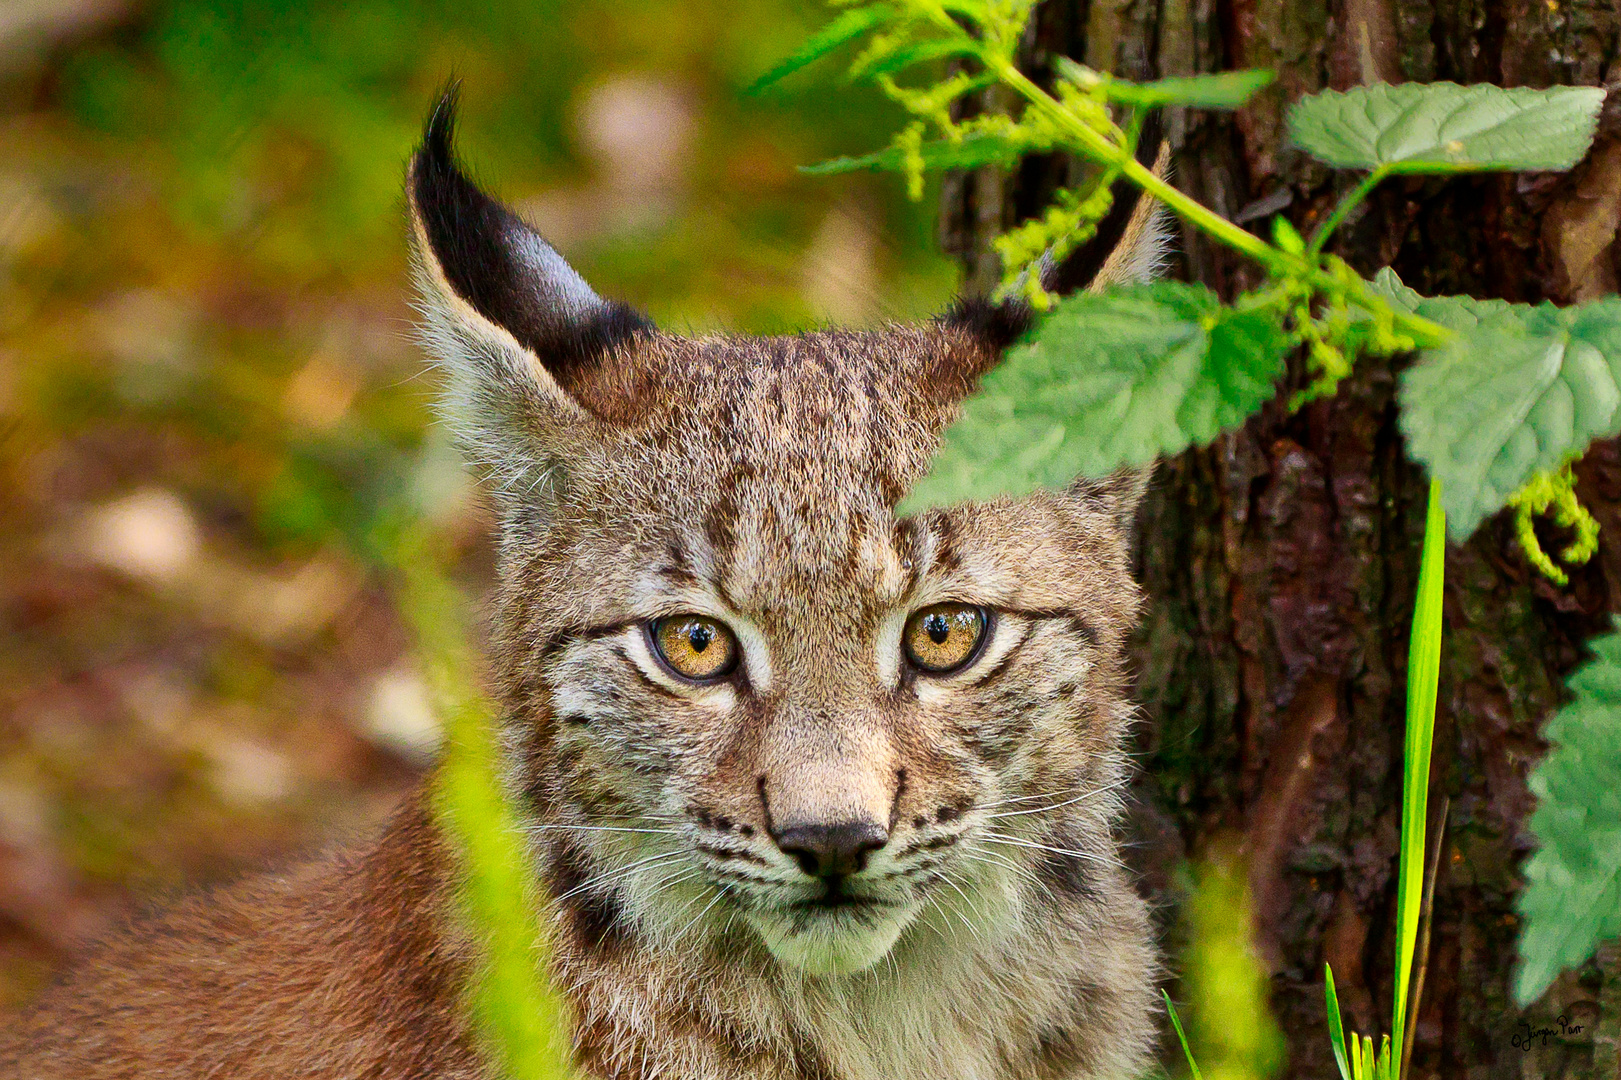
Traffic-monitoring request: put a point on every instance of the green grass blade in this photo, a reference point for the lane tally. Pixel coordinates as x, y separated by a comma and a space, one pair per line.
1423, 675
1336, 1026
521, 1021
1181, 1036
847, 27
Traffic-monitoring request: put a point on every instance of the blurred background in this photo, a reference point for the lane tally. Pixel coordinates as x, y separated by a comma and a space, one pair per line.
208, 387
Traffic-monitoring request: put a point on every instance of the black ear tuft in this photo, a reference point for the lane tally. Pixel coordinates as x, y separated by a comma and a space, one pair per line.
997, 325
502, 267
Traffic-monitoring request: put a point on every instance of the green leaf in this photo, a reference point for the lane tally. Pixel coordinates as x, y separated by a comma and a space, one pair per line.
1447, 128
1423, 678
1181, 1036
1336, 1026
1110, 379
1285, 236
969, 152
1517, 390
889, 61
1572, 898
847, 27
1228, 90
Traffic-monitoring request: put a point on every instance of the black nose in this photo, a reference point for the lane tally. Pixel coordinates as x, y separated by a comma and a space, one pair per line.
830, 851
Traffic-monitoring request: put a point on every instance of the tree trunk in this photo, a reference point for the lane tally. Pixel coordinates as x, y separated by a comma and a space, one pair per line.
1281, 561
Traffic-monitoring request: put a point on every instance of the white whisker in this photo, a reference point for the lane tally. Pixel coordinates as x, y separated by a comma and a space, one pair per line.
1007, 864
619, 872
1035, 795
719, 895
1058, 806
998, 838
605, 828
973, 932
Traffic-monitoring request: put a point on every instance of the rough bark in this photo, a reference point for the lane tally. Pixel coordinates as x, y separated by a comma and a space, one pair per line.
1281, 560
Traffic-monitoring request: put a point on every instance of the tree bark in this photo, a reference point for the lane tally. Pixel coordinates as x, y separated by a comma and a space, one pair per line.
1281, 561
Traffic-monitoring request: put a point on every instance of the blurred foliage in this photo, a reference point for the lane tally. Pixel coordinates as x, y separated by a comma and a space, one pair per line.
208, 389
284, 127
1231, 1032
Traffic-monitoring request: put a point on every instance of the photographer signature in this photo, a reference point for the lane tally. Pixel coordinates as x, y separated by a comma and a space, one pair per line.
1525, 1039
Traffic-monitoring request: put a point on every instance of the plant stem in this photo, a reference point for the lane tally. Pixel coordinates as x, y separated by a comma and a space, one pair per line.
1107, 152
1422, 955
1346, 205
1278, 263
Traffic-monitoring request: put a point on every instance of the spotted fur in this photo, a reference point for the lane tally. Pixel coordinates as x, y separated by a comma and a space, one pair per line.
992, 935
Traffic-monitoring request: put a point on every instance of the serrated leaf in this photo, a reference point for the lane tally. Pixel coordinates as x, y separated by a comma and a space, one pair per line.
1517, 390
969, 152
1447, 128
1109, 379
1572, 897
846, 28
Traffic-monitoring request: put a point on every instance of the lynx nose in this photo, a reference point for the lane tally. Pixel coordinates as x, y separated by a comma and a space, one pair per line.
831, 851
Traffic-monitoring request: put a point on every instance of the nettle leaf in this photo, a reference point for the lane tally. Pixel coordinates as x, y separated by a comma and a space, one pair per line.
969, 152
1517, 390
846, 28
1109, 379
1572, 898
1447, 128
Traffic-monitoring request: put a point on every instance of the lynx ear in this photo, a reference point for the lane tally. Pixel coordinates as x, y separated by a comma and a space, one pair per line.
1128, 248
1139, 256
516, 328
1139, 228
1119, 495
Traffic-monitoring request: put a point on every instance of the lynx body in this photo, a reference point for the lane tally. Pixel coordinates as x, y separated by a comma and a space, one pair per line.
828, 857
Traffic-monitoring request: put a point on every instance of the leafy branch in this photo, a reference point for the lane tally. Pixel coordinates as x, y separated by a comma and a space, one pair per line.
1199, 380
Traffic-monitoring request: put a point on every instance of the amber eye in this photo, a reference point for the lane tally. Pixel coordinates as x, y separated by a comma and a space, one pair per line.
944, 637
694, 647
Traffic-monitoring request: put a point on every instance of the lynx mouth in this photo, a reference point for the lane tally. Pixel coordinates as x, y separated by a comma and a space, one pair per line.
836, 933
837, 897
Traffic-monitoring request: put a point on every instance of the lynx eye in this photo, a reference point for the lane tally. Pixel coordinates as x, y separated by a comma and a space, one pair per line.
694, 646
943, 638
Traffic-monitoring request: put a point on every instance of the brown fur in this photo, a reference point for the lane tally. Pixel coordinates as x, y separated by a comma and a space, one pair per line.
753, 480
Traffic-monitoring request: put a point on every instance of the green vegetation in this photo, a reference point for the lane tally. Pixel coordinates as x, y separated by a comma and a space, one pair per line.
1190, 368
1572, 900
1227, 987
1389, 1060
1502, 397
1360, 1058
522, 1020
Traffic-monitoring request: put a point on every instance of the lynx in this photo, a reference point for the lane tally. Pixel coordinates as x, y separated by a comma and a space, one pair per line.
818, 792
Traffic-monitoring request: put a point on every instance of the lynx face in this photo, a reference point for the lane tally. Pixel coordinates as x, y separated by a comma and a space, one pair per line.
748, 704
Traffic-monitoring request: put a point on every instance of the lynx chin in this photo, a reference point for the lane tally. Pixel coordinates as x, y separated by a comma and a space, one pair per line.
818, 792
